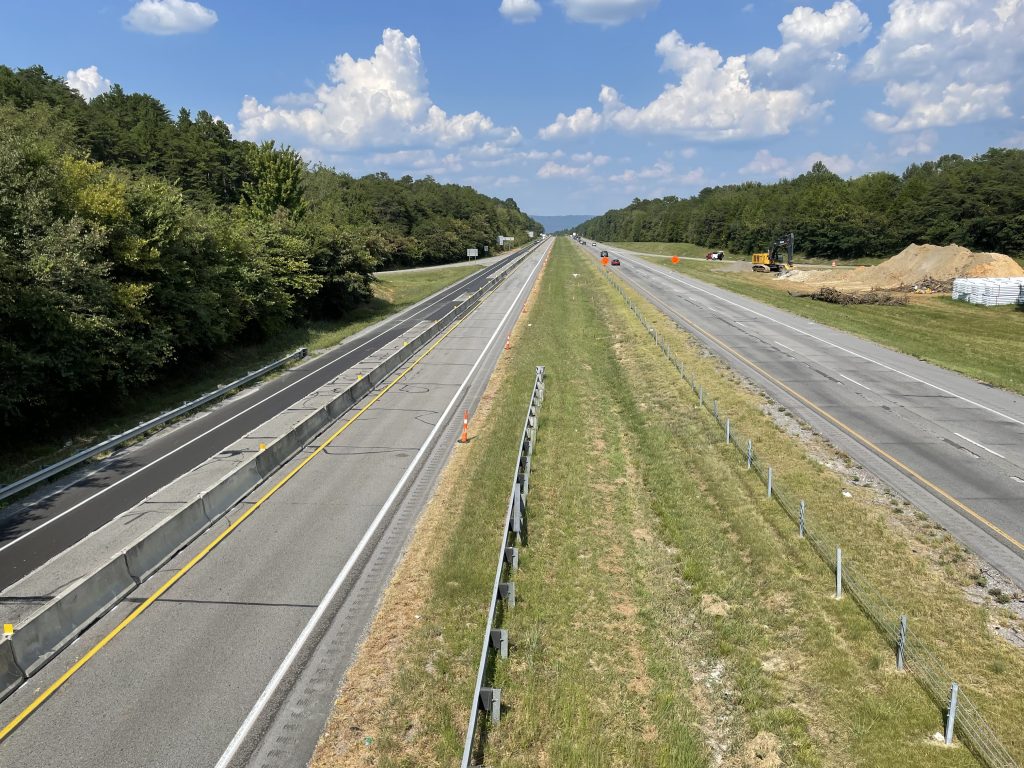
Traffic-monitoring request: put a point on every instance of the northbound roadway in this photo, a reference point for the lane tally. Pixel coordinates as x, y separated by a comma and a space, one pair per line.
58, 516
951, 445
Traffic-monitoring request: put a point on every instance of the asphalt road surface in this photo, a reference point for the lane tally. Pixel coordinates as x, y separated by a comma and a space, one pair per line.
951, 445
239, 661
58, 516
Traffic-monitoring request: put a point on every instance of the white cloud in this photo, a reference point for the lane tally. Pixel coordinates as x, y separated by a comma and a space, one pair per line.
925, 105
811, 43
591, 159
551, 170
87, 81
945, 62
169, 17
376, 102
520, 11
909, 144
713, 100
767, 164
607, 13
660, 171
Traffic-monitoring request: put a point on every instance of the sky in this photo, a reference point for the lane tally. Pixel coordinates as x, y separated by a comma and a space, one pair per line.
567, 106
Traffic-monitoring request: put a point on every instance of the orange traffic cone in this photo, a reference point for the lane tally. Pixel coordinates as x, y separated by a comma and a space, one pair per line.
508, 341
465, 428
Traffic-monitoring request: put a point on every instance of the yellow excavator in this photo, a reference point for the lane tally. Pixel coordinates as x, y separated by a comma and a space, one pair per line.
778, 258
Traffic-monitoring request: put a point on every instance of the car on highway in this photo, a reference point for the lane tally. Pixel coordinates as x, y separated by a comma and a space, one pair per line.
615, 262
604, 254
714, 255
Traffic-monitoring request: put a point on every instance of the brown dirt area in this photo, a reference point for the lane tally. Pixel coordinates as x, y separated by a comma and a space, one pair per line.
931, 265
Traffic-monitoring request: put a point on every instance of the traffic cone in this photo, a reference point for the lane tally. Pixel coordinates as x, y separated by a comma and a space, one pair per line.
465, 428
508, 341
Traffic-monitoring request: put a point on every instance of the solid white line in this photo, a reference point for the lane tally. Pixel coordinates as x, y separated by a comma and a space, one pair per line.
282, 670
780, 344
975, 442
157, 460
662, 273
865, 386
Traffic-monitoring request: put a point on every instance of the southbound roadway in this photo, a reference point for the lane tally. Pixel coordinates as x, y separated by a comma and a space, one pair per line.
56, 517
951, 445
238, 662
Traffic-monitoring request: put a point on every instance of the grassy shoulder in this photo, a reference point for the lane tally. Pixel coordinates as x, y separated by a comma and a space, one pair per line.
698, 251
667, 614
985, 343
392, 293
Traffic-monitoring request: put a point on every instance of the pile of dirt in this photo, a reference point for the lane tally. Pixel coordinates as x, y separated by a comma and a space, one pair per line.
915, 265
832, 296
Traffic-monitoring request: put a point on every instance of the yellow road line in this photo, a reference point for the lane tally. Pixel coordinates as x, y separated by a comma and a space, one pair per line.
852, 432
45, 695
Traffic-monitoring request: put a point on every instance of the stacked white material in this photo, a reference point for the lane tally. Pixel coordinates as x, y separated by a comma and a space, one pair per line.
989, 291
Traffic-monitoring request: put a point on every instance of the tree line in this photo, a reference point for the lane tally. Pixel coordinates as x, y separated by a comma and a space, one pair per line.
133, 243
976, 202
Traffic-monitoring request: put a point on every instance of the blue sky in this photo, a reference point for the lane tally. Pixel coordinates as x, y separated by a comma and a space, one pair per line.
569, 106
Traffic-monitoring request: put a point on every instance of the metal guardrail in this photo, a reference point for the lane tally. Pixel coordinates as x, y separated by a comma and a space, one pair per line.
112, 442
961, 716
488, 699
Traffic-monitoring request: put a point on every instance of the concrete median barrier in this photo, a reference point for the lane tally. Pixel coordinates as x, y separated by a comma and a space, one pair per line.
60, 621
46, 631
11, 675
154, 547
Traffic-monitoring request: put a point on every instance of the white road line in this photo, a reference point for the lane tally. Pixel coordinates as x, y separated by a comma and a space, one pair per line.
157, 460
780, 344
869, 389
663, 273
975, 442
293, 653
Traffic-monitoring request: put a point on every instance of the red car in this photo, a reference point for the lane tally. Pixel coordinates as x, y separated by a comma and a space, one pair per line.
615, 262
715, 256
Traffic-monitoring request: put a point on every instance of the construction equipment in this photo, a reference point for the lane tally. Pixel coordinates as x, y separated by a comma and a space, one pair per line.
778, 258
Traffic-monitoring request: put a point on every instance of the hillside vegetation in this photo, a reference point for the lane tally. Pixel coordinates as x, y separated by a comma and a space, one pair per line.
134, 244
977, 203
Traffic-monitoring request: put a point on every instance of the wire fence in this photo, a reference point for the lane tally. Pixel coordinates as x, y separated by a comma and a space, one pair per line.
961, 715
503, 592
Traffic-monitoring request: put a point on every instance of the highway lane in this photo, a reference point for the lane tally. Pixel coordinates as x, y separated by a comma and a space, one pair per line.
56, 517
177, 684
952, 445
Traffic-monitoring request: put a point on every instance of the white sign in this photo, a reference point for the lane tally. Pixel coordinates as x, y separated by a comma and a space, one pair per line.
471, 253
529, 233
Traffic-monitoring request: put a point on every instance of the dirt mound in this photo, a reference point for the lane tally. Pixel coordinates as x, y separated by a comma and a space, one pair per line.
832, 296
915, 264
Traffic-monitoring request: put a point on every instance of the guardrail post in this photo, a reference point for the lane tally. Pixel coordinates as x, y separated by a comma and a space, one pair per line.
517, 511
839, 573
951, 713
803, 512
728, 431
499, 642
750, 453
769, 482
512, 557
490, 702
901, 643
507, 592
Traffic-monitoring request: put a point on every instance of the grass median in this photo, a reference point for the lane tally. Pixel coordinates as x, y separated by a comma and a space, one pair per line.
392, 293
985, 343
667, 614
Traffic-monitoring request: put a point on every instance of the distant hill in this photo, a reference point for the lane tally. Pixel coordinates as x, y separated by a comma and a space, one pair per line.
558, 223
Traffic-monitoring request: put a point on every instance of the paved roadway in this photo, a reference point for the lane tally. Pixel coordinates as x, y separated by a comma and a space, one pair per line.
57, 516
175, 687
950, 444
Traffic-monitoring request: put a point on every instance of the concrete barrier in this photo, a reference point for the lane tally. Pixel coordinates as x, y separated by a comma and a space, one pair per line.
155, 546
11, 675
230, 489
45, 633
49, 629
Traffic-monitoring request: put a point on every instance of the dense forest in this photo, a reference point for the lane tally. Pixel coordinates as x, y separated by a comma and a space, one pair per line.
977, 203
132, 242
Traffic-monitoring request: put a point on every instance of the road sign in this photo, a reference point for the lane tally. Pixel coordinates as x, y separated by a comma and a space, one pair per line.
675, 259
472, 253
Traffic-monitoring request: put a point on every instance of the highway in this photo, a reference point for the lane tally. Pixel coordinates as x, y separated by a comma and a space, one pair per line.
238, 661
951, 445
58, 515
